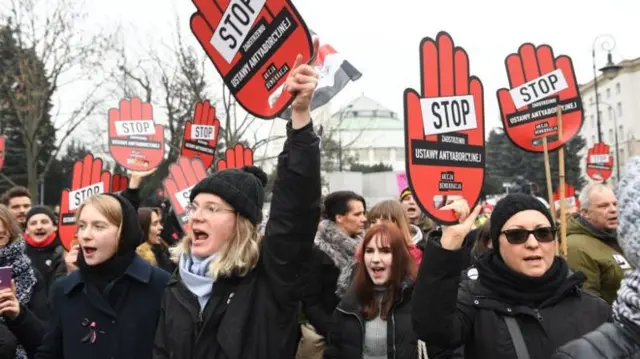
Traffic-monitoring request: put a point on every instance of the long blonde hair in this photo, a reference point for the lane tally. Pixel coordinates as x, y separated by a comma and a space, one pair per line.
238, 255
391, 210
10, 224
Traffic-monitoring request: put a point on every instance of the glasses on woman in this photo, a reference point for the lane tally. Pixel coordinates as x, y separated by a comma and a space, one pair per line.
206, 211
521, 235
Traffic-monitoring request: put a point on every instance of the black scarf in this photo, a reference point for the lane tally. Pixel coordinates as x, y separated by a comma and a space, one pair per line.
100, 275
520, 289
605, 235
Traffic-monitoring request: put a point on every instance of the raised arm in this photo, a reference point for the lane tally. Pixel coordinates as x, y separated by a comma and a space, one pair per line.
295, 205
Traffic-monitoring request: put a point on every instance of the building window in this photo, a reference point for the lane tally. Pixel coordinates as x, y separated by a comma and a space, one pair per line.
619, 109
590, 100
608, 93
622, 156
593, 138
610, 136
593, 124
618, 88
620, 132
599, 98
381, 155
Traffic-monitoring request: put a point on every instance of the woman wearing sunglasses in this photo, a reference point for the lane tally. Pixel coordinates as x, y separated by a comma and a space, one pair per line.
525, 302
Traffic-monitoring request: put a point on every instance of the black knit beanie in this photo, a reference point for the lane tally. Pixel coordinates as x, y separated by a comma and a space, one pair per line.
41, 210
242, 188
509, 206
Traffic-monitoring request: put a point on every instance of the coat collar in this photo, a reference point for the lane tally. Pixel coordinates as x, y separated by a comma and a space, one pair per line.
138, 270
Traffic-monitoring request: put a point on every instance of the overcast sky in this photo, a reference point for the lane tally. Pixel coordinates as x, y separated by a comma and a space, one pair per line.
381, 38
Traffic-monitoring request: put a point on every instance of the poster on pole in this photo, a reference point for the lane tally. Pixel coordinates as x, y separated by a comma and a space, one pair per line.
599, 162
539, 82
444, 130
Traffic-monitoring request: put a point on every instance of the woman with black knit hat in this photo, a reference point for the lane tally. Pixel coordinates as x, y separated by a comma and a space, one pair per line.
525, 302
235, 295
109, 307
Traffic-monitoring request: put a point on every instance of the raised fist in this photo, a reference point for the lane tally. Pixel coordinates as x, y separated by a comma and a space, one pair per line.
237, 157
88, 179
135, 141
538, 84
444, 128
201, 135
599, 162
253, 45
183, 175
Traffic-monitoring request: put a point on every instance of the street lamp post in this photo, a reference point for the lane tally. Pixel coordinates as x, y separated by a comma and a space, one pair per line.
610, 70
615, 131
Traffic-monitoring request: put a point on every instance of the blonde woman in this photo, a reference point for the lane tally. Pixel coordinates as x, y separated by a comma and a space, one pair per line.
109, 306
235, 295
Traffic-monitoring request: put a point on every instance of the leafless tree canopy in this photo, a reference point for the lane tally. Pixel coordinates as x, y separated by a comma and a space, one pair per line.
53, 32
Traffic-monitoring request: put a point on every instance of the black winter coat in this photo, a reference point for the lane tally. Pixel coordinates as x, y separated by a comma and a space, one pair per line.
319, 290
346, 335
618, 340
251, 317
123, 331
8, 343
448, 313
47, 260
30, 325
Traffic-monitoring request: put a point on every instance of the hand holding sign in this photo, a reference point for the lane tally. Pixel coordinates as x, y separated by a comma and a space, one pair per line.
88, 179
183, 175
302, 81
135, 141
454, 234
539, 83
444, 129
201, 135
599, 162
237, 157
2, 151
252, 44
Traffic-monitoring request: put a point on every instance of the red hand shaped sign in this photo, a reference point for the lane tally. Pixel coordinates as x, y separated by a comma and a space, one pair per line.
444, 130
539, 82
201, 135
135, 141
599, 162
88, 179
2, 151
119, 183
183, 175
253, 44
237, 157
569, 197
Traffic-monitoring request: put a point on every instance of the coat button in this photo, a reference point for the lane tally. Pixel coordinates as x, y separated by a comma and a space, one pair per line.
509, 310
476, 302
113, 321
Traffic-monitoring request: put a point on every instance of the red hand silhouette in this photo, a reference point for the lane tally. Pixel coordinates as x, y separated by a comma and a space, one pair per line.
599, 171
529, 64
85, 173
183, 175
2, 151
119, 183
144, 151
251, 89
445, 73
205, 150
237, 157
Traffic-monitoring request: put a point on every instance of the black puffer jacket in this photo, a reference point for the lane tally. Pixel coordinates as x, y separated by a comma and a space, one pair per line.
251, 317
346, 335
448, 313
618, 340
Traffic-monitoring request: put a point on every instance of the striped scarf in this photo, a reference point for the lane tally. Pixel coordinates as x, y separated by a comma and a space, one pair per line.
628, 303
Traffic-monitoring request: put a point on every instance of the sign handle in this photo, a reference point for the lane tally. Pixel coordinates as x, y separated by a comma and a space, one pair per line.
547, 172
563, 216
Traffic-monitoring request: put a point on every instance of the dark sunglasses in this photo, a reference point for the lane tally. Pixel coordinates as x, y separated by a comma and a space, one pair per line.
520, 235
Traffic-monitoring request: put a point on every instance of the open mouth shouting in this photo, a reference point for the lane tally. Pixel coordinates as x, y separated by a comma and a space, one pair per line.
533, 260
89, 252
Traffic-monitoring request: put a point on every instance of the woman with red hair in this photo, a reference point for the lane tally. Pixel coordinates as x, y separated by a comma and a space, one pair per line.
376, 312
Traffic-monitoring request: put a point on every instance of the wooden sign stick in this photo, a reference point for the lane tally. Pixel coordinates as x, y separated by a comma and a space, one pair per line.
547, 172
563, 217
